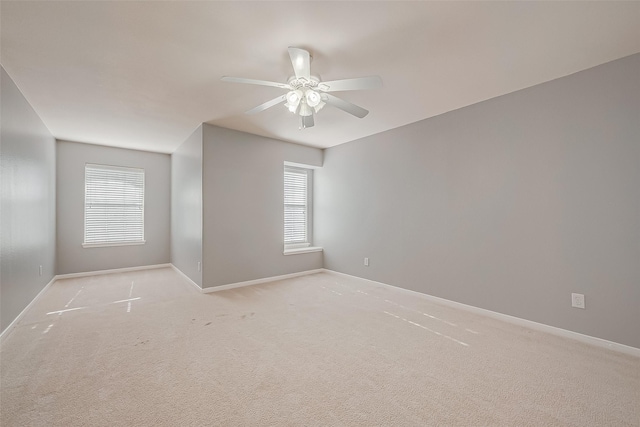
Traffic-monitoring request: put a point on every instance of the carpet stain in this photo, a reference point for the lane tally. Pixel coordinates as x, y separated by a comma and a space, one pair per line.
207, 324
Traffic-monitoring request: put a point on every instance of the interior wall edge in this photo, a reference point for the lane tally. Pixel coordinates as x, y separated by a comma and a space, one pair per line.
186, 220
185, 277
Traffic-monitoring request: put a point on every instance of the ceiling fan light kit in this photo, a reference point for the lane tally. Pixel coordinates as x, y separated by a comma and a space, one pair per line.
307, 95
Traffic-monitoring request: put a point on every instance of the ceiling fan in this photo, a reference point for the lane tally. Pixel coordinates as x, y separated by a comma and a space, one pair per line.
307, 94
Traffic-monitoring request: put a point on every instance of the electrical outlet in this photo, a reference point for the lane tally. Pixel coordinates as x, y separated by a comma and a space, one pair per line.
366, 262
40, 270
199, 266
577, 300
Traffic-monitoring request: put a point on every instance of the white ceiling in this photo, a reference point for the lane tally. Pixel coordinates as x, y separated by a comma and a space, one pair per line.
144, 75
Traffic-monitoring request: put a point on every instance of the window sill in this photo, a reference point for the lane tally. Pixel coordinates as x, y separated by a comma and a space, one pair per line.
104, 245
302, 250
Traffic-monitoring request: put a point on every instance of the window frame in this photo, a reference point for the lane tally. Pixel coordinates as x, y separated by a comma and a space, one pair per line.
308, 197
122, 169
307, 246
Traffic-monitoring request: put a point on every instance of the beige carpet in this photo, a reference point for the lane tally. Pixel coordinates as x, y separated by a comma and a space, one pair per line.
146, 348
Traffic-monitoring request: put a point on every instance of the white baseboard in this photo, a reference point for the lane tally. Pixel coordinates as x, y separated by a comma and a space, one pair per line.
598, 342
187, 278
114, 270
5, 334
258, 281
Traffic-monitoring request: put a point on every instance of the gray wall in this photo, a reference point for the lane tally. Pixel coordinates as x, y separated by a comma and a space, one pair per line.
510, 205
243, 207
186, 206
72, 257
27, 206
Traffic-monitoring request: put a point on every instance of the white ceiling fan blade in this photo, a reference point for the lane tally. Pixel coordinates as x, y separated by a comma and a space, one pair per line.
360, 83
301, 61
307, 121
344, 105
255, 82
268, 104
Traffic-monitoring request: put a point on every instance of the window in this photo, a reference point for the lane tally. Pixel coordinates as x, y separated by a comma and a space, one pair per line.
296, 207
114, 206
298, 184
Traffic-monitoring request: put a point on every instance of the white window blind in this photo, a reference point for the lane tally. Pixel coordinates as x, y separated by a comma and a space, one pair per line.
114, 205
296, 206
